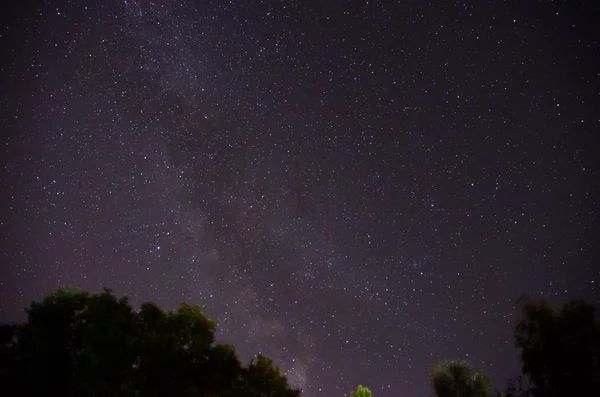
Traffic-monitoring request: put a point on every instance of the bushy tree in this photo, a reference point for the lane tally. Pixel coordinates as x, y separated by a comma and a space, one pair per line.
515, 387
453, 378
80, 344
361, 391
73, 343
560, 349
263, 379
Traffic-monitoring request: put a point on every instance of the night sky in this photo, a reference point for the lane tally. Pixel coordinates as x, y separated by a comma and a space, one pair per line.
353, 188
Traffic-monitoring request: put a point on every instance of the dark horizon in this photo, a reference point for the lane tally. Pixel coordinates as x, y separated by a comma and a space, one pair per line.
354, 189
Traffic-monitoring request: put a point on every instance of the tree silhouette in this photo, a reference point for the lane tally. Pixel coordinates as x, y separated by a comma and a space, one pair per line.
515, 387
452, 378
560, 349
94, 345
73, 344
263, 379
80, 344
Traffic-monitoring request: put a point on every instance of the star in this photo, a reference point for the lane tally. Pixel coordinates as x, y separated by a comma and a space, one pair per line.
339, 186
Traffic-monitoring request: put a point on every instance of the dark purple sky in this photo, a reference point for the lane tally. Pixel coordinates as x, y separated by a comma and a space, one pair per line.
353, 188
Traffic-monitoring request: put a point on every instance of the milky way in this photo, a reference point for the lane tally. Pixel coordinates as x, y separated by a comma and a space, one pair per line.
355, 189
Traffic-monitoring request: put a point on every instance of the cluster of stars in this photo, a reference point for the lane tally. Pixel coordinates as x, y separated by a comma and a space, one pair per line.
355, 191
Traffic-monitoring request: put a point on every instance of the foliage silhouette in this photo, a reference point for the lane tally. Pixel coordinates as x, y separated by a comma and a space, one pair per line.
79, 344
515, 388
560, 349
452, 378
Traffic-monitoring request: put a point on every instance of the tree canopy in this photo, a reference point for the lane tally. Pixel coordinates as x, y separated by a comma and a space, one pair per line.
79, 344
75, 343
560, 348
453, 378
361, 391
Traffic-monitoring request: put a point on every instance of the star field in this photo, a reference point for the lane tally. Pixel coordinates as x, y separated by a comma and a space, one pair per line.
353, 188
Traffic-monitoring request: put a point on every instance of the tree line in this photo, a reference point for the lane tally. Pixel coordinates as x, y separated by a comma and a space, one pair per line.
79, 344
559, 351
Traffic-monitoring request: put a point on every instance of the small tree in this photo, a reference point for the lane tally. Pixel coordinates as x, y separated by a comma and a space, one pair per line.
361, 391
